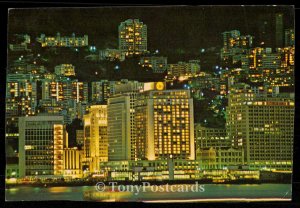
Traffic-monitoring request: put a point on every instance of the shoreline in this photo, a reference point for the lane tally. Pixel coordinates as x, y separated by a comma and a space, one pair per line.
107, 183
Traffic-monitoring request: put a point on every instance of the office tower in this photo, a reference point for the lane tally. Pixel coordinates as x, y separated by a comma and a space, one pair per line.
261, 121
165, 125
289, 37
65, 70
132, 37
279, 30
121, 125
95, 136
119, 128
41, 143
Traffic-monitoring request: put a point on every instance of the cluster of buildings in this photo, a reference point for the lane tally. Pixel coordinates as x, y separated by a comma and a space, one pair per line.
144, 131
63, 41
150, 131
133, 42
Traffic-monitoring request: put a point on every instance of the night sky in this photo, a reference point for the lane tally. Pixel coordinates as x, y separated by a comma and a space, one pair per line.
169, 28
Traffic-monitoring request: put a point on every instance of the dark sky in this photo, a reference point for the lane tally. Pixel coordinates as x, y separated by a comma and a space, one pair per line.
169, 28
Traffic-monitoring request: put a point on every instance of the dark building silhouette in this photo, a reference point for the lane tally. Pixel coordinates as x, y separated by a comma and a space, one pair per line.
279, 30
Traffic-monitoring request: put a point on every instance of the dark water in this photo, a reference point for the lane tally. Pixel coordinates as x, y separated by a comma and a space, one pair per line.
211, 191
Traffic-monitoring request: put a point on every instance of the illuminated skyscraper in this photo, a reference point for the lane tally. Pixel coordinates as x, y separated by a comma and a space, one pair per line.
95, 136
132, 37
41, 143
165, 125
121, 126
261, 121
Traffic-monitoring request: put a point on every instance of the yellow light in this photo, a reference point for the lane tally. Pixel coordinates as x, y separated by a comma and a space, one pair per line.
160, 85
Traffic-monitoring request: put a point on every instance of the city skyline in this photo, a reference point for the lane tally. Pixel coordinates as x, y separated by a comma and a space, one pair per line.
151, 105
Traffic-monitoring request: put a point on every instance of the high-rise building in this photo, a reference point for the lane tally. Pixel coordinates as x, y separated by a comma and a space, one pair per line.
41, 143
289, 37
95, 136
234, 44
121, 107
119, 128
279, 30
101, 91
164, 125
132, 37
262, 123
65, 89
21, 97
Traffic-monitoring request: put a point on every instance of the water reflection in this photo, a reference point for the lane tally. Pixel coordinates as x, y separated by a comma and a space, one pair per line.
12, 190
59, 189
212, 191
